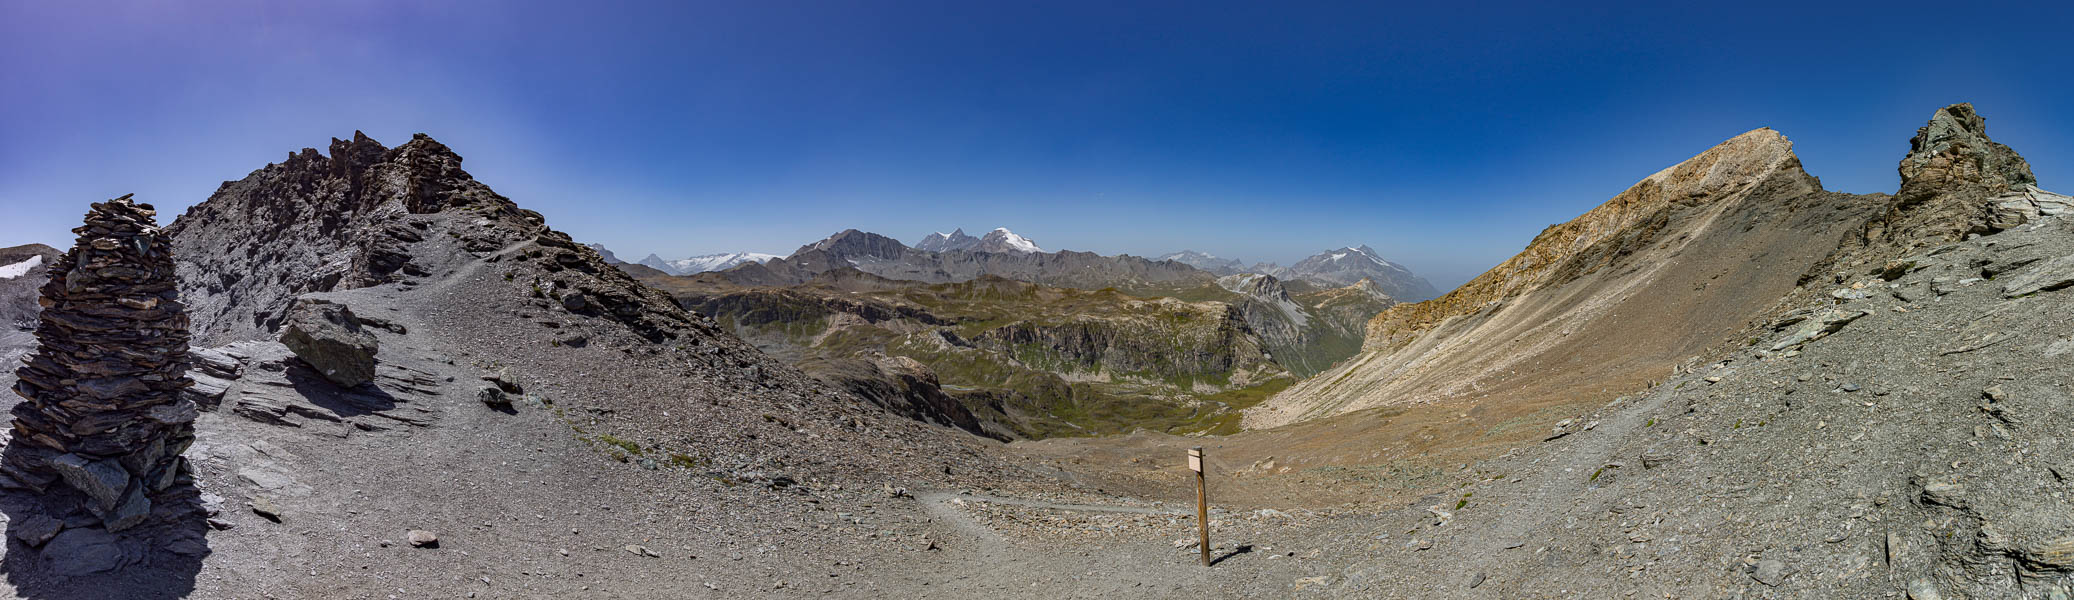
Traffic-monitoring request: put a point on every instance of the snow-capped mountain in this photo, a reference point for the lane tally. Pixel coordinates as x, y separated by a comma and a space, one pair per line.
1347, 266
704, 262
1003, 240
717, 262
1000, 240
1206, 261
946, 242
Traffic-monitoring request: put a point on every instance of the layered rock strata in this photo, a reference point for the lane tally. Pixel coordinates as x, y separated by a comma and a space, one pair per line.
103, 414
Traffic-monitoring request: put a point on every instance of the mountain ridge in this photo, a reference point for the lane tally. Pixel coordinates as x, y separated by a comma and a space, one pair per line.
1531, 312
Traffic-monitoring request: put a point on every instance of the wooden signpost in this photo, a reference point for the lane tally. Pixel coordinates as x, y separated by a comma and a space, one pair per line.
1202, 502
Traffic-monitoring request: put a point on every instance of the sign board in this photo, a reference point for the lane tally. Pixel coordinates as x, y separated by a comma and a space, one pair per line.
1195, 459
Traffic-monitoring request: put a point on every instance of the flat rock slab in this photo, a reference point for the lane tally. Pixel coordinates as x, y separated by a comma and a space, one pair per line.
86, 551
2054, 274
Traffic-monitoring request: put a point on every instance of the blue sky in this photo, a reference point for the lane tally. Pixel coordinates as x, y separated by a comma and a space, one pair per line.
1443, 134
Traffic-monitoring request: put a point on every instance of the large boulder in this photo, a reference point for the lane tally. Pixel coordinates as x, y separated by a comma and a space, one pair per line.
326, 335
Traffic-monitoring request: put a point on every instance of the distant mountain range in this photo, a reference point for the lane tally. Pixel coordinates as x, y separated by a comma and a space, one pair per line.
704, 262
1308, 316
1000, 253
998, 240
1329, 269
957, 256
1206, 262
689, 266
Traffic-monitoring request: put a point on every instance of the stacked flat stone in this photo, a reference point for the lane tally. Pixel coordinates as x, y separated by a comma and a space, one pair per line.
103, 412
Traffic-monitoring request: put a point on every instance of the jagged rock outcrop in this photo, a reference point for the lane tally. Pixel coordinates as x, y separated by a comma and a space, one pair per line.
103, 411
363, 216
1952, 154
1955, 182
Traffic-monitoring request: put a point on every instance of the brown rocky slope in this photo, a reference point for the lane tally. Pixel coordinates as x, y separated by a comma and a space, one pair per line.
1605, 303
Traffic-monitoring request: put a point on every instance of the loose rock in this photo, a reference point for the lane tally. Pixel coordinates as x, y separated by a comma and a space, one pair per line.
420, 538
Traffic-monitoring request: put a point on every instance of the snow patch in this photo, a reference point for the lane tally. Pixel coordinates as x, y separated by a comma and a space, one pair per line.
21, 268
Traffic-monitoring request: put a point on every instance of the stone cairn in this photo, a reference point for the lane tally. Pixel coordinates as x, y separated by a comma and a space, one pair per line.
104, 414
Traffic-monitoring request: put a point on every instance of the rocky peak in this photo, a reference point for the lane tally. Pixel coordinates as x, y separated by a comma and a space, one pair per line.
1954, 149
1758, 165
1345, 266
851, 243
368, 216
350, 159
1256, 285
1955, 182
946, 242
606, 254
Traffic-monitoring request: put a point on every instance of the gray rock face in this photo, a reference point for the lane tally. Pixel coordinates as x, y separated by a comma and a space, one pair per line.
1954, 148
104, 408
331, 339
1955, 182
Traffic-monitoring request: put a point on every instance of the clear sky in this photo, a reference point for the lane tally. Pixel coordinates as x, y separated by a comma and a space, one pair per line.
1444, 134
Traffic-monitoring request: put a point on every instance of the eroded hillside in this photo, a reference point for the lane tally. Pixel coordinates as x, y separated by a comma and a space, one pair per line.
1607, 302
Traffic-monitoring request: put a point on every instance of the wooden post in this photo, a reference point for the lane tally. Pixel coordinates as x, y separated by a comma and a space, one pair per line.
1202, 502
